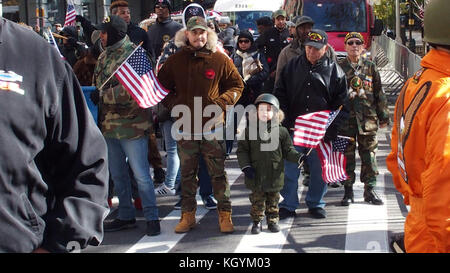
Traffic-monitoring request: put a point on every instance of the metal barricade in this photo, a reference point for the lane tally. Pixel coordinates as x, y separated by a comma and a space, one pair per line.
396, 63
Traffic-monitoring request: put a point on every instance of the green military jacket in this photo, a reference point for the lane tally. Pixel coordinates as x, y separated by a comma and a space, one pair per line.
120, 116
367, 102
269, 165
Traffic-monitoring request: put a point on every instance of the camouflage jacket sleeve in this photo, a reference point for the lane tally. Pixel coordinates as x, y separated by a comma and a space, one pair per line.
380, 97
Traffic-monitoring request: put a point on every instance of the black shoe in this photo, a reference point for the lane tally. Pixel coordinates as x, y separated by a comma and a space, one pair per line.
153, 228
318, 213
118, 224
371, 196
159, 176
273, 227
257, 227
285, 213
348, 195
209, 203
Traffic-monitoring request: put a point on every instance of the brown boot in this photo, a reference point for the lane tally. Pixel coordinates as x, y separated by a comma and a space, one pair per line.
225, 223
187, 222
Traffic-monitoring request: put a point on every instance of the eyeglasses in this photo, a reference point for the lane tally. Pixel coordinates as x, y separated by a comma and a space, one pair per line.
354, 42
244, 41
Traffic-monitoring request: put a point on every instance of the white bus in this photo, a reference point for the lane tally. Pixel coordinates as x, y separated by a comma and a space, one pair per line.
244, 13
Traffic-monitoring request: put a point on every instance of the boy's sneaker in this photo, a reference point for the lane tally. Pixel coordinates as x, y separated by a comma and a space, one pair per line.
209, 203
163, 190
118, 224
273, 227
178, 205
153, 228
257, 227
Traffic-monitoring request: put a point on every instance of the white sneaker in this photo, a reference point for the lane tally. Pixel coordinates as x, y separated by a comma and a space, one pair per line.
163, 190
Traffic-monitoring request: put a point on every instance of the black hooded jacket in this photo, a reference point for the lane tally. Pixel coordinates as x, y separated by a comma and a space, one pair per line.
305, 88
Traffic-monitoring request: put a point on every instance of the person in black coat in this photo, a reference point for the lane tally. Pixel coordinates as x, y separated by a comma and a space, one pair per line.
54, 162
254, 70
252, 66
309, 83
162, 30
272, 41
121, 9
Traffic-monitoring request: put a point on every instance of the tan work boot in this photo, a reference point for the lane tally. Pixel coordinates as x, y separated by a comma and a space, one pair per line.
187, 222
225, 223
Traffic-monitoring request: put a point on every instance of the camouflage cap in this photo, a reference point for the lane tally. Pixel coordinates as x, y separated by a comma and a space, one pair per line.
279, 12
196, 22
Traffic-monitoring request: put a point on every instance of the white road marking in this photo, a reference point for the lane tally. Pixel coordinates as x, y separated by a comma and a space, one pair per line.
367, 224
266, 241
164, 242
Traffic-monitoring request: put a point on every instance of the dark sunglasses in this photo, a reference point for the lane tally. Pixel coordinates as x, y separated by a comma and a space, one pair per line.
244, 41
161, 6
356, 42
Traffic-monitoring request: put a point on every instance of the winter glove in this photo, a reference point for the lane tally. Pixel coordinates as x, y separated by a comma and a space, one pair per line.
331, 133
79, 18
301, 159
249, 172
95, 96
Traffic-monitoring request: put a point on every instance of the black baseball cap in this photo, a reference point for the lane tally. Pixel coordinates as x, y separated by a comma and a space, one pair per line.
115, 22
303, 20
316, 38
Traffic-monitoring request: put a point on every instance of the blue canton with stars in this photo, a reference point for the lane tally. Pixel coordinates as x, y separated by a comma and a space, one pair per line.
139, 62
340, 144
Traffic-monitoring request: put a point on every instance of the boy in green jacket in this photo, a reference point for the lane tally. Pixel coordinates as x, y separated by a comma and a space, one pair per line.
264, 168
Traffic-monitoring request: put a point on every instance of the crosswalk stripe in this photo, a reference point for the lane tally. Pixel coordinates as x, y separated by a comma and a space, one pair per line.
266, 241
366, 223
164, 242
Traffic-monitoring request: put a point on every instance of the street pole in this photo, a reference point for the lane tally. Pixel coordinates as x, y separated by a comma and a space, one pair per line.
397, 22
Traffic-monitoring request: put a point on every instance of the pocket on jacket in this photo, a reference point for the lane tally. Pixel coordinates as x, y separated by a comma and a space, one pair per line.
35, 222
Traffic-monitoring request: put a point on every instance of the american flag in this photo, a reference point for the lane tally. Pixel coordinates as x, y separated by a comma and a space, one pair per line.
137, 76
310, 128
53, 43
333, 160
70, 14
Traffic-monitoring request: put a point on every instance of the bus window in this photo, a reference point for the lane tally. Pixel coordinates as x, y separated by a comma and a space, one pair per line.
247, 19
337, 15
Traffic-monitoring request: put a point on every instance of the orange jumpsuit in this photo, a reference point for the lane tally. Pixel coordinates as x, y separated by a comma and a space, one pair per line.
420, 156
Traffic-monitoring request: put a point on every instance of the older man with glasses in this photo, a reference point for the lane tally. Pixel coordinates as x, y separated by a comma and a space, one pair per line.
368, 112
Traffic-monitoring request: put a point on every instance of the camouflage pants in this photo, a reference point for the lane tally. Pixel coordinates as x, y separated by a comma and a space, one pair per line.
213, 153
264, 202
367, 147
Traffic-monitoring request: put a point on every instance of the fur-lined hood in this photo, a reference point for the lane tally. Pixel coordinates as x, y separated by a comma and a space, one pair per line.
211, 44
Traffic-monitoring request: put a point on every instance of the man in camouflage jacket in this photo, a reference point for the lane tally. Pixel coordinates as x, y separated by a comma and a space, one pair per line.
368, 111
125, 127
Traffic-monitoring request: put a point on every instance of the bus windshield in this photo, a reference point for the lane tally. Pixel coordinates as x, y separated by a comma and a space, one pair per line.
337, 15
247, 19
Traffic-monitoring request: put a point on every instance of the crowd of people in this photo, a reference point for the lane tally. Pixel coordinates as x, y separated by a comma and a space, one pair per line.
221, 65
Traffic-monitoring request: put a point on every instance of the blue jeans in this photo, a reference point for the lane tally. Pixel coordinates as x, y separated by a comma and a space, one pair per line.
317, 187
136, 152
173, 173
